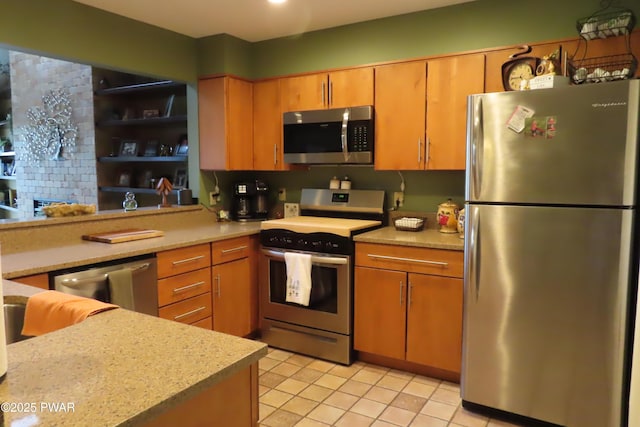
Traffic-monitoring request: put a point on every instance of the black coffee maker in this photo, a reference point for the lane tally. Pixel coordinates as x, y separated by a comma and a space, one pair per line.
250, 201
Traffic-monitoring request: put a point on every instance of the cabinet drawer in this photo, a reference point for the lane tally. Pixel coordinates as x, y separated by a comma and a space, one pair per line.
229, 250
206, 323
438, 262
182, 286
181, 260
188, 311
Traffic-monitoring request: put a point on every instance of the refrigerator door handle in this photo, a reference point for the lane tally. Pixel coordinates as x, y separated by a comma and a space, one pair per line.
474, 265
476, 144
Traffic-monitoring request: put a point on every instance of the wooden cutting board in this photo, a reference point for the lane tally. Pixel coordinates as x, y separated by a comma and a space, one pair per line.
123, 235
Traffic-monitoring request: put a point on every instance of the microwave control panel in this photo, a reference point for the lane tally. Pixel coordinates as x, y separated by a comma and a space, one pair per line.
359, 138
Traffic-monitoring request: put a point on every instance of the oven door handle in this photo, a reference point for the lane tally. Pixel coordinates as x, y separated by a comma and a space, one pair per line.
314, 259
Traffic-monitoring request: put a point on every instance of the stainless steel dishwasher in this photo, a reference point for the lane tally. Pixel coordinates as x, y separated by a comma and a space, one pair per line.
135, 282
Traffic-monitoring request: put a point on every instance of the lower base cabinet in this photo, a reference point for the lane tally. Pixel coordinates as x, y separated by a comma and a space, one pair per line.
231, 403
403, 314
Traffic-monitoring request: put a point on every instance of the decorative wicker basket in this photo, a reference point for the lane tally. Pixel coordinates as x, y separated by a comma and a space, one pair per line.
409, 223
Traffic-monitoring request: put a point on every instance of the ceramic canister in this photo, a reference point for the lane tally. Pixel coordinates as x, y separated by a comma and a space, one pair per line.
461, 223
448, 217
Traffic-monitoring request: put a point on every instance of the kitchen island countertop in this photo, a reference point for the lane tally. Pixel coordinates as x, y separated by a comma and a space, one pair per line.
427, 238
115, 368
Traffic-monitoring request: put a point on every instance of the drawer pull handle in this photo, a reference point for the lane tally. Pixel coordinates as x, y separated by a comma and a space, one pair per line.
184, 288
418, 261
239, 248
218, 282
188, 313
401, 292
182, 261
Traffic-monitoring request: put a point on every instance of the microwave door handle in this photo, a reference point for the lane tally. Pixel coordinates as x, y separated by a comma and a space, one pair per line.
343, 135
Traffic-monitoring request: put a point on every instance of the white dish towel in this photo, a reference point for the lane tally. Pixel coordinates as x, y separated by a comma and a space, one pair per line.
298, 277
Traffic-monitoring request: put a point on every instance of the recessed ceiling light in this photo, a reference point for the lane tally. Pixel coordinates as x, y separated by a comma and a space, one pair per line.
277, 1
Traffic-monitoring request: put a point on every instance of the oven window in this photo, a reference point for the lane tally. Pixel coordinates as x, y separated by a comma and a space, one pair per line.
324, 287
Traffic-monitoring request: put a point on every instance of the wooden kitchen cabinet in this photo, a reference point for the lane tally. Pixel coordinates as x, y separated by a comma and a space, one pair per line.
38, 280
267, 126
184, 285
421, 112
336, 89
225, 120
235, 290
408, 304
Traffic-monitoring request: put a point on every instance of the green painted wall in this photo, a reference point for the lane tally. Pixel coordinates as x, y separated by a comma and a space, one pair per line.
224, 54
71, 31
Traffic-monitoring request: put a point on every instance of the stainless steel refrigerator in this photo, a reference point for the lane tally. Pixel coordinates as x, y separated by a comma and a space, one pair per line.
550, 252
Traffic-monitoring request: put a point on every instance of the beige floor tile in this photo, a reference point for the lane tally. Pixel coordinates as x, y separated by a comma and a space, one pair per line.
380, 394
419, 389
326, 413
447, 396
368, 407
316, 393
299, 405
263, 389
368, 376
469, 419
285, 368
409, 402
380, 423
265, 410
450, 386
307, 375
344, 371
266, 363
330, 381
427, 380
271, 380
400, 374
426, 421
275, 398
321, 365
281, 355
439, 410
375, 368
280, 418
292, 386
355, 387
300, 360
397, 416
393, 382
307, 422
341, 400
351, 419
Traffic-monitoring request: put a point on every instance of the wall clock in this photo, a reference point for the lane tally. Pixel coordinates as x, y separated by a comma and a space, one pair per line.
518, 69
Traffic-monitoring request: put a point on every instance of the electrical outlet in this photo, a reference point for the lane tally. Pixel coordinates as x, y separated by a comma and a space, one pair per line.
282, 194
212, 198
398, 199
291, 209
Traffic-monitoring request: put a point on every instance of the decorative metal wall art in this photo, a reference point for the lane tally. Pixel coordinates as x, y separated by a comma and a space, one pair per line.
50, 135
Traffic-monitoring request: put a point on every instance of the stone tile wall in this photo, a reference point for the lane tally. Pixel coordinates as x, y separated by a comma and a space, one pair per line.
32, 77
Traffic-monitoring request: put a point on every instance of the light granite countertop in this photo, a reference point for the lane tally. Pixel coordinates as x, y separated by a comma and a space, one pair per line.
61, 249
427, 238
115, 368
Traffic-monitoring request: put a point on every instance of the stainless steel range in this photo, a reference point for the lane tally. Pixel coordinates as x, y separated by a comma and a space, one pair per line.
324, 231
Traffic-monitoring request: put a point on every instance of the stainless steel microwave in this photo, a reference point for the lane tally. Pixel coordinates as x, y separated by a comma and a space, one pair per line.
331, 136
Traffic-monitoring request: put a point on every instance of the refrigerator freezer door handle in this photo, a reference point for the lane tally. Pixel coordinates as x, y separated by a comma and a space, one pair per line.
476, 144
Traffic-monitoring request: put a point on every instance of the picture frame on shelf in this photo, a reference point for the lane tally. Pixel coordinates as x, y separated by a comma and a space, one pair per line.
182, 147
151, 148
180, 178
169, 106
128, 148
124, 179
144, 180
150, 114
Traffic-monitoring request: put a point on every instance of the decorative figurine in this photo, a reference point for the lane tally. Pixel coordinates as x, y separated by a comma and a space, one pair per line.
130, 203
164, 188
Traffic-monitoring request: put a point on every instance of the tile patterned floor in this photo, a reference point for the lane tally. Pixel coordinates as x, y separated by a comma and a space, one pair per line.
300, 391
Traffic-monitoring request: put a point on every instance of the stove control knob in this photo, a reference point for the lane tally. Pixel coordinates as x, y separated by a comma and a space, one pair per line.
329, 245
316, 244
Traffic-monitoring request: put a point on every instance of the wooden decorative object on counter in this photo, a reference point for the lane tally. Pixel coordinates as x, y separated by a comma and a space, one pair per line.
164, 188
123, 235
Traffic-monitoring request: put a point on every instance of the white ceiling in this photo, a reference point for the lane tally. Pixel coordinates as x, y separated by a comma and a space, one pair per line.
255, 20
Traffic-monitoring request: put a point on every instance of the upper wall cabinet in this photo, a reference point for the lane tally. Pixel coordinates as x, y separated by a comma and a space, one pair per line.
421, 112
225, 120
346, 88
267, 126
